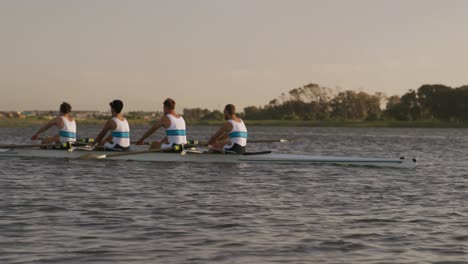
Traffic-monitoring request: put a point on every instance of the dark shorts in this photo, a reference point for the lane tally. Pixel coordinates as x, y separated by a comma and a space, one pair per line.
236, 148
115, 147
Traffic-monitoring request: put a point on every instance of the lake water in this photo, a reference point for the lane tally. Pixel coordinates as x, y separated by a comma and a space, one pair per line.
59, 211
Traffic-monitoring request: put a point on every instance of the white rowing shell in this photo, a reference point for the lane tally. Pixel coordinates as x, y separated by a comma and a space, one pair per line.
225, 158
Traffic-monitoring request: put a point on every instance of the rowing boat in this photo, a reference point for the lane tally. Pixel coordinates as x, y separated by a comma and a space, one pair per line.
201, 156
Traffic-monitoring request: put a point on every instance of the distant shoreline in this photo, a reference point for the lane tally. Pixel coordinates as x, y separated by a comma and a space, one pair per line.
5, 123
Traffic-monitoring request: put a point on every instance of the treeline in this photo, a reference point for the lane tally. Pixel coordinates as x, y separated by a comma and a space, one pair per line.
430, 102
199, 114
313, 102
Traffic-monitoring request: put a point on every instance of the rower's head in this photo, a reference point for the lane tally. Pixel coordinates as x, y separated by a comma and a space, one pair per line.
229, 111
169, 106
116, 106
65, 108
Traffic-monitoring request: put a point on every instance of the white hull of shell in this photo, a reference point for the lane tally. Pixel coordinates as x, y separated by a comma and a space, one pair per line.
217, 158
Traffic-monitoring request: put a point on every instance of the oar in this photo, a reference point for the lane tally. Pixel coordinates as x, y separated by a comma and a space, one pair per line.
222, 150
28, 145
77, 141
103, 156
80, 148
280, 140
203, 143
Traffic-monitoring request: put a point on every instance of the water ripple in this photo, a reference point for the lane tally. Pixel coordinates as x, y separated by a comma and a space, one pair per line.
58, 211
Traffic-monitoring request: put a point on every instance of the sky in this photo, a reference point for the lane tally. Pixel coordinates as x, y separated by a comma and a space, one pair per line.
208, 53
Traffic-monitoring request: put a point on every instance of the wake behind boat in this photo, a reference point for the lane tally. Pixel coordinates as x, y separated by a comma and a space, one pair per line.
194, 155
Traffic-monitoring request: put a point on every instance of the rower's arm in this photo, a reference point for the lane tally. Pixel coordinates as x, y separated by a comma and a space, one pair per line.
108, 126
221, 134
162, 122
50, 124
224, 136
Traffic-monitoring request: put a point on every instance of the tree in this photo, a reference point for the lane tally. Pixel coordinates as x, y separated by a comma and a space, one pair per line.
436, 101
357, 106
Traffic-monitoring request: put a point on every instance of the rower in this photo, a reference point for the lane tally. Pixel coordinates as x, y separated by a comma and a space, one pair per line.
234, 130
64, 122
174, 125
119, 138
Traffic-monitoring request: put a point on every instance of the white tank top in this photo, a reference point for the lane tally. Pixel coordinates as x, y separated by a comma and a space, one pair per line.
238, 133
176, 133
68, 132
121, 134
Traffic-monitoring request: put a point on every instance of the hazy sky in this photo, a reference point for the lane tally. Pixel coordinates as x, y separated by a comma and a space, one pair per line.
206, 53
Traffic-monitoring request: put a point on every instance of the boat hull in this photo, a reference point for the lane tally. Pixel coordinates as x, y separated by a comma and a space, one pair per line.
216, 158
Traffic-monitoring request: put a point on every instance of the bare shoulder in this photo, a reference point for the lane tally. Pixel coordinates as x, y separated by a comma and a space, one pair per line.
58, 120
227, 125
163, 121
166, 121
111, 124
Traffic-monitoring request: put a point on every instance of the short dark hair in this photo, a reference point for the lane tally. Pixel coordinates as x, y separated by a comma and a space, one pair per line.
169, 104
117, 105
65, 108
230, 109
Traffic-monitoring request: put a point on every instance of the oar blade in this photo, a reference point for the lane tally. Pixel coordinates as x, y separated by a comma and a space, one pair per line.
91, 156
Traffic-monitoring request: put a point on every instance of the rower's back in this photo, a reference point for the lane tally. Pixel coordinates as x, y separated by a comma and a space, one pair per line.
121, 134
67, 132
238, 134
176, 132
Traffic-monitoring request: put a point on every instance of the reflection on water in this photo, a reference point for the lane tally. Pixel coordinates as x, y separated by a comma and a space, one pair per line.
54, 211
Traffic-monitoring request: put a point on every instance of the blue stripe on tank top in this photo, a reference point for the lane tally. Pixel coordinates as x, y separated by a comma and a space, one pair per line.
176, 132
120, 134
67, 134
238, 134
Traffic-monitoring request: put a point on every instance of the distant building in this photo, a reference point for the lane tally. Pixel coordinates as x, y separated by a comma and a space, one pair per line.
15, 115
30, 113
86, 114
